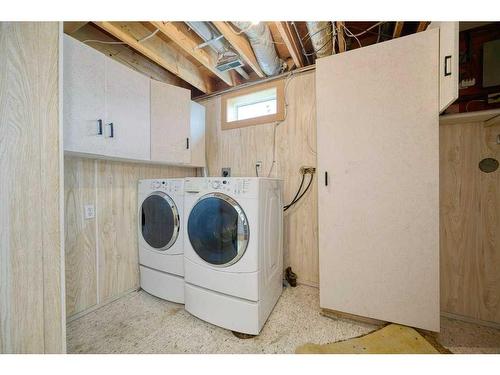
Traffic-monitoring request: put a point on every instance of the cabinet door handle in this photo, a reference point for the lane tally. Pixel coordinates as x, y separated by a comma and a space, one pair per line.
111, 130
99, 127
326, 178
447, 65
187, 143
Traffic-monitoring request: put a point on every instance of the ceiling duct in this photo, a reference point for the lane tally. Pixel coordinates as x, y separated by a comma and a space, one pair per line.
321, 37
261, 41
228, 59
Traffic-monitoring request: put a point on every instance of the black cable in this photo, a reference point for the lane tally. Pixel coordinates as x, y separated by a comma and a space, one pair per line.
298, 192
301, 195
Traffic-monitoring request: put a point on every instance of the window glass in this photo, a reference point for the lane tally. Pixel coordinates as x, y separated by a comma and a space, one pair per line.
214, 231
256, 104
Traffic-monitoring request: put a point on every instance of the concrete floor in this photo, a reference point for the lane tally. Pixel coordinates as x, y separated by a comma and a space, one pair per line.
141, 323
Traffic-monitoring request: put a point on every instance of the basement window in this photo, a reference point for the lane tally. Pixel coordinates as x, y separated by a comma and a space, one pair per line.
260, 104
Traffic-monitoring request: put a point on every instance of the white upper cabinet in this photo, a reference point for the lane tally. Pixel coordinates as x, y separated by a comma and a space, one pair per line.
448, 62
111, 111
83, 103
197, 139
126, 129
170, 124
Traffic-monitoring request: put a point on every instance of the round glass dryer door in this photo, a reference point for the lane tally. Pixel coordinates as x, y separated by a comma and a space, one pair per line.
159, 221
218, 229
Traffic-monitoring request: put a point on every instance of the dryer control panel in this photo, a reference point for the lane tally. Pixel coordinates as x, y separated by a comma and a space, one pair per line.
173, 186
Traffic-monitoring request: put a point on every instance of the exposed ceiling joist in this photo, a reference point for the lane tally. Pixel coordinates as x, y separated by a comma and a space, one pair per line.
73, 26
422, 26
159, 51
179, 34
241, 45
291, 42
398, 29
341, 36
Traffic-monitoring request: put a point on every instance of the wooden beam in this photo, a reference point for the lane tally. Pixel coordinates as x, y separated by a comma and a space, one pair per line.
340, 36
241, 45
178, 32
71, 27
291, 42
492, 121
398, 28
422, 26
159, 51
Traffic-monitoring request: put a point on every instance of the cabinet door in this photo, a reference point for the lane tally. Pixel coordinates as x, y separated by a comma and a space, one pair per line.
127, 123
378, 158
83, 97
197, 138
448, 62
170, 128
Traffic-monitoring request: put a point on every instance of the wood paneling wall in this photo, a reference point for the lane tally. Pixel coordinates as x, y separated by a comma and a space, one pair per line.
31, 300
102, 253
295, 141
470, 222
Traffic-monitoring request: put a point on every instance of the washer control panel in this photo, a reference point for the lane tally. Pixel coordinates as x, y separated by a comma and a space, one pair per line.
229, 185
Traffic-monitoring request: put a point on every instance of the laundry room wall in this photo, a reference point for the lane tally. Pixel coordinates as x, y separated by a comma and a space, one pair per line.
241, 148
101, 252
470, 221
31, 265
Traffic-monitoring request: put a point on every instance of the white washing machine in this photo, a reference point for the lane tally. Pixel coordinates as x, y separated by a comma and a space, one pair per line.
161, 247
233, 253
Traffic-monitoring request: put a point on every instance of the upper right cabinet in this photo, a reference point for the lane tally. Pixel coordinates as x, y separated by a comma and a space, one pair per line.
448, 62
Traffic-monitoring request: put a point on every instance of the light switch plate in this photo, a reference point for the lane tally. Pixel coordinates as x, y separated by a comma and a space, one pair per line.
89, 211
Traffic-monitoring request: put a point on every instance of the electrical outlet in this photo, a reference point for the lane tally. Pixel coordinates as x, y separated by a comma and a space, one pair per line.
89, 211
307, 170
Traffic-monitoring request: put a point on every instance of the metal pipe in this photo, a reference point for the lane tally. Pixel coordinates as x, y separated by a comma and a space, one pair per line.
305, 69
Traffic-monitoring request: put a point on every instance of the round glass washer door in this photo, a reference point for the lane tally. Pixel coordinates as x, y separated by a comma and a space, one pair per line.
159, 221
218, 229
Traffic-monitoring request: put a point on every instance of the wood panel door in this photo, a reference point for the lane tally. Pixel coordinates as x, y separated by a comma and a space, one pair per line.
84, 102
378, 163
126, 129
170, 129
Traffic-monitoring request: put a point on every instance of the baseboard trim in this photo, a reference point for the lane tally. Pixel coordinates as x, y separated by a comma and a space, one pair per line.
346, 316
88, 310
470, 320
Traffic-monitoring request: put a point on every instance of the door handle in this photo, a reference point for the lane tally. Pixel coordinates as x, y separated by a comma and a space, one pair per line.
187, 143
99, 127
447, 65
326, 178
111, 130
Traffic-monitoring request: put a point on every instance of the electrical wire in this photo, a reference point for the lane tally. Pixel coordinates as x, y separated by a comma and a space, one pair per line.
471, 101
108, 42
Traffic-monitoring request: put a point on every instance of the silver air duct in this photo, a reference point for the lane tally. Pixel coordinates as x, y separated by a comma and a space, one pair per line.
261, 41
214, 40
321, 37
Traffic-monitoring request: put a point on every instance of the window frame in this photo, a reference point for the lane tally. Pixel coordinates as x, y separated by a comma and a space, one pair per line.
280, 105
